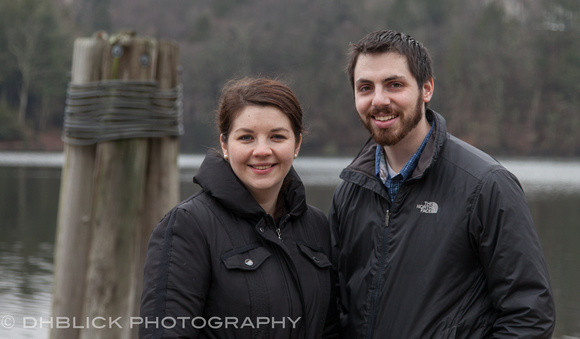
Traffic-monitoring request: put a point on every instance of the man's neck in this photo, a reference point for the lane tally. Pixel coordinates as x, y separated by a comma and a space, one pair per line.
398, 154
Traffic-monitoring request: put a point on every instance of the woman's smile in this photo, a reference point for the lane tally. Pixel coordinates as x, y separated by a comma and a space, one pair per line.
261, 148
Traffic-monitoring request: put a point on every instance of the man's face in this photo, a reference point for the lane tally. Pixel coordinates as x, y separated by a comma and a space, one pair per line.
387, 98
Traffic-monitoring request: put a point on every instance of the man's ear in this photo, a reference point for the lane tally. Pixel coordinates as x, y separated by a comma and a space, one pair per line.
428, 88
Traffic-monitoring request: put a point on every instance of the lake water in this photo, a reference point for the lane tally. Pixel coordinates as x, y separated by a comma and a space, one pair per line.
29, 193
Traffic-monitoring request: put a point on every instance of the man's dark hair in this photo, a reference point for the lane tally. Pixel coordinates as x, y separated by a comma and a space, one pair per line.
384, 41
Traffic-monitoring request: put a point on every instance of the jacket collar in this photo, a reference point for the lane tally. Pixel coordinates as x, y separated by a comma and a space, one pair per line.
365, 160
216, 178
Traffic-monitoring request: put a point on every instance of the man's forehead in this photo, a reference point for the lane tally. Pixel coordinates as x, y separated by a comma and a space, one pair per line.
385, 65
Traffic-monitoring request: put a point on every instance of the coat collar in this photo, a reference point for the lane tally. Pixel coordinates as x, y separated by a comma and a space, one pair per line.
216, 178
365, 160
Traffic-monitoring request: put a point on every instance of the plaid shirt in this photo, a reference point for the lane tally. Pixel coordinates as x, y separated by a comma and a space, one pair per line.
394, 183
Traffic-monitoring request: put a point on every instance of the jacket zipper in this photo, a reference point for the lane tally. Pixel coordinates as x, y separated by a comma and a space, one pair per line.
278, 229
285, 257
379, 276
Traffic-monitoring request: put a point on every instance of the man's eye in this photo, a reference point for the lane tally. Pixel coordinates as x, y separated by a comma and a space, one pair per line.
364, 88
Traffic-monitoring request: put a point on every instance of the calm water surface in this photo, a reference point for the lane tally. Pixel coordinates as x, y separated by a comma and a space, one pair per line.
29, 188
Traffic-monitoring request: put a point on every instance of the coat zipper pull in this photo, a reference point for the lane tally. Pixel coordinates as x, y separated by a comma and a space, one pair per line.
278, 229
387, 217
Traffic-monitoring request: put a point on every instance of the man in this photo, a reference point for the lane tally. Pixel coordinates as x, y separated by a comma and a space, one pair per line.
432, 237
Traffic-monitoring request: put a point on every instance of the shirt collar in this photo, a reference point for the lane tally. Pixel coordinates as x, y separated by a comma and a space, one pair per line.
381, 170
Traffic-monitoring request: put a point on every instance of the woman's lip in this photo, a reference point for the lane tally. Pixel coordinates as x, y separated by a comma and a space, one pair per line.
262, 167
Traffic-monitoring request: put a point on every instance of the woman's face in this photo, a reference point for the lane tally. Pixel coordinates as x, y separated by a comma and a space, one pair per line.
261, 147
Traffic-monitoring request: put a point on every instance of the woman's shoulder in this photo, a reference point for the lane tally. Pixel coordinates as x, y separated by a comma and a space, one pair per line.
315, 229
199, 207
198, 199
315, 212
194, 217
314, 217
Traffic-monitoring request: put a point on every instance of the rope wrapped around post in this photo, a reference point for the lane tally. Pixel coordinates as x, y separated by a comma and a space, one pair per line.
114, 109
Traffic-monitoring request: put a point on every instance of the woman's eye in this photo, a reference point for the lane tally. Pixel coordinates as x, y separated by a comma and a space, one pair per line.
245, 138
279, 137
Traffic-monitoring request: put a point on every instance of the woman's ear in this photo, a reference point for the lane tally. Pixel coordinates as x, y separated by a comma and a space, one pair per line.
224, 144
298, 144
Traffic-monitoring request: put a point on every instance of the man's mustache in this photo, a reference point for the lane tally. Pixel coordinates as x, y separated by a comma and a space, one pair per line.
382, 110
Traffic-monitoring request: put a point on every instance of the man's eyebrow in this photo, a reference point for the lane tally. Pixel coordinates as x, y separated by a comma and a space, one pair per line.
362, 81
395, 77
391, 78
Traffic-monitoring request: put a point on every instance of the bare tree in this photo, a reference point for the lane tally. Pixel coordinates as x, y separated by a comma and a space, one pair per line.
22, 41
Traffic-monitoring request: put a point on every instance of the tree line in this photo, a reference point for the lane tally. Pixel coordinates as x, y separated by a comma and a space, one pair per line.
506, 71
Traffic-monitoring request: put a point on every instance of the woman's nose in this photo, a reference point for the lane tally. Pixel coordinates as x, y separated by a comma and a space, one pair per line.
262, 148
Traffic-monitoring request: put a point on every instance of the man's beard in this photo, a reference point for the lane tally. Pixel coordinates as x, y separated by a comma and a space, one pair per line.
390, 137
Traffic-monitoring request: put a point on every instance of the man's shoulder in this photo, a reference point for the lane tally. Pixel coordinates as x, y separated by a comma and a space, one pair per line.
468, 158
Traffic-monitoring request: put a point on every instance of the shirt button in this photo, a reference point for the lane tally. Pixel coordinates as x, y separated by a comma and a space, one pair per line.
249, 262
316, 260
262, 229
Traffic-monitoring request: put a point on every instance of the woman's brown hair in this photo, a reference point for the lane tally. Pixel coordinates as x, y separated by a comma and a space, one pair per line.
238, 94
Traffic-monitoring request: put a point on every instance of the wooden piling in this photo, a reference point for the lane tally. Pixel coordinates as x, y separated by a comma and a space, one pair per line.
75, 205
135, 181
162, 182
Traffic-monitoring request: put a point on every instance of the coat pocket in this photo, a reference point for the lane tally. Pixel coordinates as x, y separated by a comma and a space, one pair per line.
248, 258
316, 256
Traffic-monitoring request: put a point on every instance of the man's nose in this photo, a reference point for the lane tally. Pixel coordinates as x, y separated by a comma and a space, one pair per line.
381, 98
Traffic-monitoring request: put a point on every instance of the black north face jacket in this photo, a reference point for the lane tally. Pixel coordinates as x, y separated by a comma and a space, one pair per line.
216, 267
454, 256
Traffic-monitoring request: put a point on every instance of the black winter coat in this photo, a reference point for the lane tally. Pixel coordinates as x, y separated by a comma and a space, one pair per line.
454, 256
217, 268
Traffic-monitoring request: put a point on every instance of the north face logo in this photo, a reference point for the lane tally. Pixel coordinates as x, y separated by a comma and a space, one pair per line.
428, 207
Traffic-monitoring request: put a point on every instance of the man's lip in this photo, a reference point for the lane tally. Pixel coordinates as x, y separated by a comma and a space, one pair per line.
389, 116
386, 123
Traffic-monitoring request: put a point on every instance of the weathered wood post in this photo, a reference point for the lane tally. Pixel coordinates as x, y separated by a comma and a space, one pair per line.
162, 182
75, 204
135, 179
120, 173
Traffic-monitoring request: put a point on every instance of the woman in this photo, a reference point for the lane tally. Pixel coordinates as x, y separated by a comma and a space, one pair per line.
246, 257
